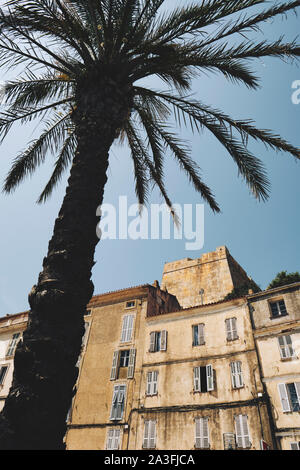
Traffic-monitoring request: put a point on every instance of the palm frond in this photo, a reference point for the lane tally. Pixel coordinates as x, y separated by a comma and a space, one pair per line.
64, 160
29, 160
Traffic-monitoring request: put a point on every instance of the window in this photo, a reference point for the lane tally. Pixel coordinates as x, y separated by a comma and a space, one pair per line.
118, 403
202, 433
113, 439
127, 328
123, 359
158, 341
278, 308
236, 374
152, 378
13, 344
198, 335
231, 329
242, 432
229, 441
290, 396
3, 370
149, 435
286, 346
203, 379
295, 445
130, 304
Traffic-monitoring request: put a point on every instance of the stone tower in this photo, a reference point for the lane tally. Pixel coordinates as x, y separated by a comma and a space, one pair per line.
204, 280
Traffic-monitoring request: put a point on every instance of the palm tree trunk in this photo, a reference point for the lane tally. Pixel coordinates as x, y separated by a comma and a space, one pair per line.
45, 372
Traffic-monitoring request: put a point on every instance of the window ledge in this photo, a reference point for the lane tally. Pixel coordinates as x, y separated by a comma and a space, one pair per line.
279, 316
287, 359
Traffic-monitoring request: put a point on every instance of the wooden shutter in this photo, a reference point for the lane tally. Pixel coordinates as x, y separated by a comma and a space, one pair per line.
131, 364
116, 440
120, 399
146, 434
197, 379
152, 341
231, 329
209, 378
154, 382
201, 337
285, 402
242, 431
297, 387
130, 327
13, 344
124, 329
115, 365
127, 328
152, 436
236, 374
149, 383
282, 347
110, 437
286, 347
114, 403
163, 340
149, 435
202, 433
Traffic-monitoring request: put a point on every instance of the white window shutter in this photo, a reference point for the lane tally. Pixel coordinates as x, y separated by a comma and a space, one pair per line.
228, 329
198, 434
152, 437
129, 328
201, 334
289, 345
146, 434
163, 340
110, 437
149, 435
115, 363
197, 379
152, 341
154, 382
242, 431
297, 387
210, 378
124, 329
282, 347
238, 432
202, 433
233, 374
131, 364
234, 328
236, 374
231, 329
245, 428
284, 398
114, 403
149, 383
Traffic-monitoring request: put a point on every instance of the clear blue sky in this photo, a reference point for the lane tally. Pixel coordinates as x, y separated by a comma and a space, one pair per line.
263, 237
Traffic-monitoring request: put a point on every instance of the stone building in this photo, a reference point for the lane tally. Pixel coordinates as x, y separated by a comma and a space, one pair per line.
276, 325
176, 366
11, 329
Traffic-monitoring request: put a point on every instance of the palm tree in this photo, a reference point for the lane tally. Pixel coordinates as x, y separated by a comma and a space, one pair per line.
83, 65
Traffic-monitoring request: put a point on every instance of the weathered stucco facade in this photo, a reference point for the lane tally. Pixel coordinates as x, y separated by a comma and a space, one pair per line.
168, 368
278, 343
